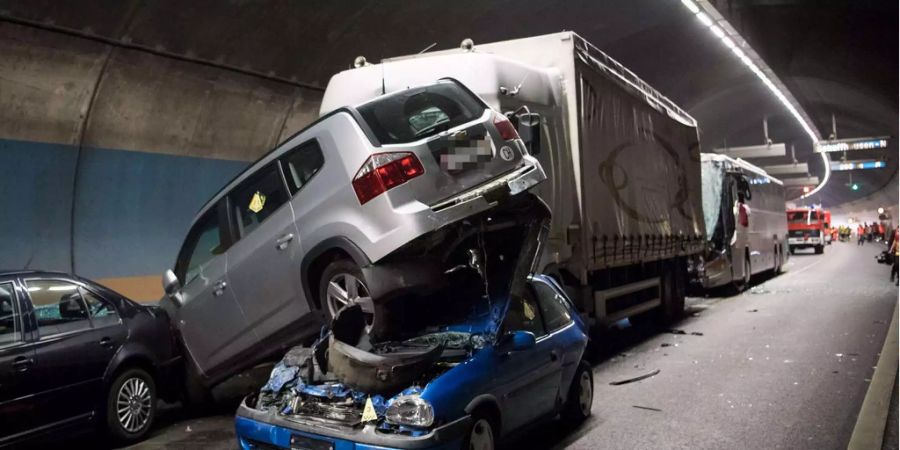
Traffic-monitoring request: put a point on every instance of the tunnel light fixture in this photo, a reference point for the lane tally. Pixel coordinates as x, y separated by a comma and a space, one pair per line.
722, 30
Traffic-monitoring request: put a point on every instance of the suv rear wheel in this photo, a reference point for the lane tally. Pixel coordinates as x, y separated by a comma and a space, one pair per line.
342, 284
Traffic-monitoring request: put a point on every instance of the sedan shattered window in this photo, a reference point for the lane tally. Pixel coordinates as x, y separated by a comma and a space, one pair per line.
58, 307
419, 113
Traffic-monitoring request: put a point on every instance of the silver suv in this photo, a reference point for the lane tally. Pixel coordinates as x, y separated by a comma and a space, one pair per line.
301, 232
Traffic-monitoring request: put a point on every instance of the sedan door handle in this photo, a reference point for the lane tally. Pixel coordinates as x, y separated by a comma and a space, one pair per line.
106, 342
22, 363
282, 242
219, 288
554, 356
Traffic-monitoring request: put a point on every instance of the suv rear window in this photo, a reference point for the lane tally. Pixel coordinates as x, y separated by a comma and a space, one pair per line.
418, 113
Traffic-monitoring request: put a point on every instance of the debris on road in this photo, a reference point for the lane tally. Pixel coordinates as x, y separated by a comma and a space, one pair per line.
637, 378
646, 407
676, 331
753, 310
696, 333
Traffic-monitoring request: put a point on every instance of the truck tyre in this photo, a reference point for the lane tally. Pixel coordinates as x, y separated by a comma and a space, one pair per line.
820, 249
581, 395
342, 284
130, 405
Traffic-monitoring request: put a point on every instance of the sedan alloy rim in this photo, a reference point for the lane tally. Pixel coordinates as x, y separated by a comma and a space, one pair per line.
133, 404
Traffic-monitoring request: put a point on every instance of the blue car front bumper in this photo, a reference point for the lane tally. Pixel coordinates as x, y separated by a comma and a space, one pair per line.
266, 430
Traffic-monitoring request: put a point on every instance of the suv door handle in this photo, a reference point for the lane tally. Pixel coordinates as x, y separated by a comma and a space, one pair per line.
22, 363
282, 242
219, 287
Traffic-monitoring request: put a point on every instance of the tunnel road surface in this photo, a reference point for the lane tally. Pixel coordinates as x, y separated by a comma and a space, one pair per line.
784, 365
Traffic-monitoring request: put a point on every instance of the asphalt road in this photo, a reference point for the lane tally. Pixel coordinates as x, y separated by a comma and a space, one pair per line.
783, 365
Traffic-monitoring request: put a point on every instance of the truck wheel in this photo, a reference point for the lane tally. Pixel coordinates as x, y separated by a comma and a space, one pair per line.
820, 249
130, 405
581, 395
342, 284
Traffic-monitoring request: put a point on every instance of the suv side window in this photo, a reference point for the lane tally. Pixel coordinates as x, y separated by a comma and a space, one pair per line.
255, 199
9, 316
203, 243
524, 314
102, 312
301, 163
553, 307
58, 307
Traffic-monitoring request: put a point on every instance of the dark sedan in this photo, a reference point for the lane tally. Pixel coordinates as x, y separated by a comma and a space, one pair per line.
75, 354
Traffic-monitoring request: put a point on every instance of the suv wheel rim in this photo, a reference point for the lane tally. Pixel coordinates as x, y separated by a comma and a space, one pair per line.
482, 437
133, 403
345, 289
586, 393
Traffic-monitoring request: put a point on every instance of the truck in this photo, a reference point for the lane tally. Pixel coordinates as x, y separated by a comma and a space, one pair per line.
806, 229
622, 161
743, 210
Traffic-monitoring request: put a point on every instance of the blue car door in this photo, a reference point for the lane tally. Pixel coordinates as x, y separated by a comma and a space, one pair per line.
527, 380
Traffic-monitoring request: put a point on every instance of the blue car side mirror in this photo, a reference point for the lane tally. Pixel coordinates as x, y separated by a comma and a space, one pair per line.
516, 341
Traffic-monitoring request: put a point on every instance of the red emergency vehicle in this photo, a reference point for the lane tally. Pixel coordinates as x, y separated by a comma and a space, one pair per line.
806, 229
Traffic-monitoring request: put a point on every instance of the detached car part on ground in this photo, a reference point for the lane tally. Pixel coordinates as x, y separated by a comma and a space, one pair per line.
305, 230
488, 350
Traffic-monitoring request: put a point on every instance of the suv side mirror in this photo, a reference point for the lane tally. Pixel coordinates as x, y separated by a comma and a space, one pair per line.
517, 341
529, 127
172, 287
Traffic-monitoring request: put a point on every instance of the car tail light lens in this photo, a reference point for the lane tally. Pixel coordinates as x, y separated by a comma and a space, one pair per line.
505, 127
383, 172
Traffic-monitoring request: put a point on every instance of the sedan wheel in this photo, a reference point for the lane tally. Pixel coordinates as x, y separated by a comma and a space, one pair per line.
133, 405
345, 289
482, 436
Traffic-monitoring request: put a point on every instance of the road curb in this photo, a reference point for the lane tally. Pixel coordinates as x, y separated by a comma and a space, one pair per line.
870, 424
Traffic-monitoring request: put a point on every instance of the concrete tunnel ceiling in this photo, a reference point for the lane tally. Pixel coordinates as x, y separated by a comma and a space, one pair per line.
832, 55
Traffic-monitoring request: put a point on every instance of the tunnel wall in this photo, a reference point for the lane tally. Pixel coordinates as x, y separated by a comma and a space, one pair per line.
111, 151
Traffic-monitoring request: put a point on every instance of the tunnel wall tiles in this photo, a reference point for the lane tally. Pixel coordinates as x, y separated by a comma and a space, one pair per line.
36, 200
132, 210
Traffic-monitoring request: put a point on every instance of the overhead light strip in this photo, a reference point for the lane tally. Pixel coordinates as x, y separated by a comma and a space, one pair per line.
722, 30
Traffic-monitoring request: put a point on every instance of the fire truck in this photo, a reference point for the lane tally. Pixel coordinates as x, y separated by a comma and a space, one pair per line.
806, 229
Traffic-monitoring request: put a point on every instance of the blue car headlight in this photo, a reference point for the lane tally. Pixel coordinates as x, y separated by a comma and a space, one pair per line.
410, 410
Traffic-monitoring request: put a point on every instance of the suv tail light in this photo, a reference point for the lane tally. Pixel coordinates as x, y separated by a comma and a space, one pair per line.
505, 127
383, 172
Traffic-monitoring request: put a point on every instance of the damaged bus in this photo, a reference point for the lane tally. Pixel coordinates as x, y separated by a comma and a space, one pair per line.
744, 211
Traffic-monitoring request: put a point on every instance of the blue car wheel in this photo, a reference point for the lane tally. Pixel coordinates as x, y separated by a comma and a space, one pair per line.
481, 435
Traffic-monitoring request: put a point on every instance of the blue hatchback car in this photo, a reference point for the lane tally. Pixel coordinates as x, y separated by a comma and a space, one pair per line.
529, 366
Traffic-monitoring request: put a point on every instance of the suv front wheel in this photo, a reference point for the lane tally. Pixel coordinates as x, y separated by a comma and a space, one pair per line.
342, 284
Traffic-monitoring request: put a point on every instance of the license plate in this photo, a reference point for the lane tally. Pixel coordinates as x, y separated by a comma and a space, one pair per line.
299, 442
